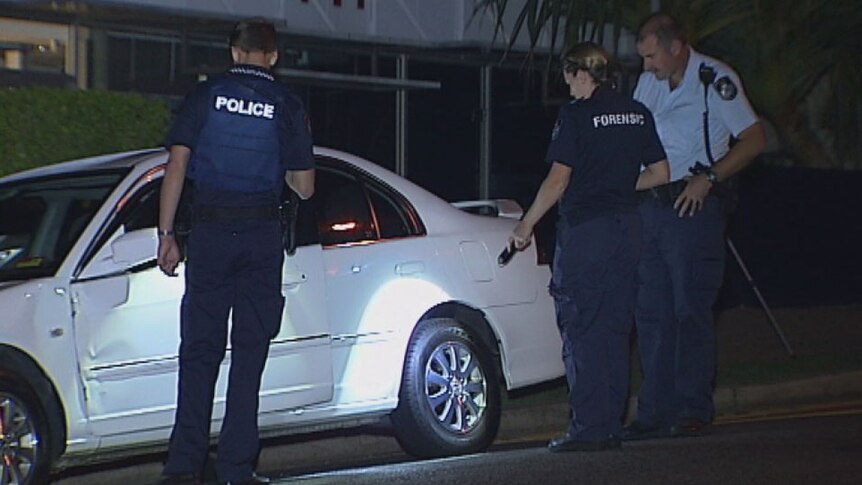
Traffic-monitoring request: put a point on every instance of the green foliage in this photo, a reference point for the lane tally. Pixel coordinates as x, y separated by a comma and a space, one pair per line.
800, 65
40, 126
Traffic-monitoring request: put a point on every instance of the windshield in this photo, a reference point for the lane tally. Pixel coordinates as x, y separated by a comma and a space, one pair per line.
41, 219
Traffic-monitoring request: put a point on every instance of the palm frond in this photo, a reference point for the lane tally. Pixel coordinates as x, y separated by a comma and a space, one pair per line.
785, 51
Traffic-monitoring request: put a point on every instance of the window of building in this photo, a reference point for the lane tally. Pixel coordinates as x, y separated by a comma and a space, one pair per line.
141, 63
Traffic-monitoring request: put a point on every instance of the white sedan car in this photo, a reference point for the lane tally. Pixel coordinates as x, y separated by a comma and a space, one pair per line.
395, 305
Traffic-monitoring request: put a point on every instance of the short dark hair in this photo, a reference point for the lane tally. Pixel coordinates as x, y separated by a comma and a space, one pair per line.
589, 57
254, 34
665, 27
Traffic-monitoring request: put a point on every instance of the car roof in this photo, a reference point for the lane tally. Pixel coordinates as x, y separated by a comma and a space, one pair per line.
149, 157
130, 159
112, 160
437, 214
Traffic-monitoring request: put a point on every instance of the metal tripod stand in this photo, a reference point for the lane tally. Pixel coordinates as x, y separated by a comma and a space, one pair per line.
760, 298
707, 75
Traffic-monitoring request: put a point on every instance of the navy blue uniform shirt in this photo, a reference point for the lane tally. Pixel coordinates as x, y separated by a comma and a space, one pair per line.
244, 130
605, 139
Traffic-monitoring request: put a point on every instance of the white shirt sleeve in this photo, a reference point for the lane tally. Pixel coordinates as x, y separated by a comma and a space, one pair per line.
735, 114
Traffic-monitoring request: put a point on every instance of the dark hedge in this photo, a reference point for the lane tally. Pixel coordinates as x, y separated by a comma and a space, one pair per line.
40, 126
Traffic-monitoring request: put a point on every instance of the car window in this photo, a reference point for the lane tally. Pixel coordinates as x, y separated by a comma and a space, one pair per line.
353, 206
143, 210
45, 218
140, 210
391, 220
343, 213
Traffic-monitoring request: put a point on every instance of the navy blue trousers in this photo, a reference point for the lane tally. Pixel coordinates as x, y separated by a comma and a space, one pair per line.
680, 272
231, 267
593, 286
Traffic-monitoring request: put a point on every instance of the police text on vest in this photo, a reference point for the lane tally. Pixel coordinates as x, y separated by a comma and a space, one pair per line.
245, 107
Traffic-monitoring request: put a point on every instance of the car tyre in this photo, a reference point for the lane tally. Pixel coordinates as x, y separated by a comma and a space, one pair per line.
25, 453
449, 401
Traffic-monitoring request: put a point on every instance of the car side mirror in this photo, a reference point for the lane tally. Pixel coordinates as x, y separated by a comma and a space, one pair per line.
134, 248
124, 252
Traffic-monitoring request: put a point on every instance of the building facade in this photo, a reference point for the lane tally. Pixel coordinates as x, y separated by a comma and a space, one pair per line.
422, 87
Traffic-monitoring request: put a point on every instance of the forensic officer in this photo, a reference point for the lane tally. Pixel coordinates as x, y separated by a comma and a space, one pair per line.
598, 146
698, 104
239, 138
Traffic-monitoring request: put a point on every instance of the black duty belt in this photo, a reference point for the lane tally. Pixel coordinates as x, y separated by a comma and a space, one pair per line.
665, 194
213, 213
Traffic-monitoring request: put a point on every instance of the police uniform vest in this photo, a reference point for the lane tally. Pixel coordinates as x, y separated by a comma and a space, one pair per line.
238, 149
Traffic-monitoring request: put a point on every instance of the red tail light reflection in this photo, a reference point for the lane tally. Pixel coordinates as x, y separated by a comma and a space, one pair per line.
343, 226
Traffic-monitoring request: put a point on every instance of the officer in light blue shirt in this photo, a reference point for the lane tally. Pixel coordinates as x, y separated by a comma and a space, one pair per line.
678, 112
682, 260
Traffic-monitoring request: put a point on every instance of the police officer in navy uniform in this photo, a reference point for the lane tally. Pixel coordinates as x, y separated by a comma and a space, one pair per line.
239, 138
601, 142
698, 104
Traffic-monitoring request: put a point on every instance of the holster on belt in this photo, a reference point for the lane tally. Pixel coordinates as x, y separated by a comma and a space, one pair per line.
665, 194
288, 213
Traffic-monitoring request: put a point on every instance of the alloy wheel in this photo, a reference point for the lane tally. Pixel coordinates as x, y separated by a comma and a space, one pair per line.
19, 442
455, 387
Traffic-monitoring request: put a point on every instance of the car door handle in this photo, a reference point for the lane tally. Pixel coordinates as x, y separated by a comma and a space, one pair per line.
409, 268
293, 279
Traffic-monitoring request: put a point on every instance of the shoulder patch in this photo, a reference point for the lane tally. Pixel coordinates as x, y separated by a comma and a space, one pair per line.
726, 88
556, 131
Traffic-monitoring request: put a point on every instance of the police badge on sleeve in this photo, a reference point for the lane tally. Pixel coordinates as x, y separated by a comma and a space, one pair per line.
726, 88
556, 131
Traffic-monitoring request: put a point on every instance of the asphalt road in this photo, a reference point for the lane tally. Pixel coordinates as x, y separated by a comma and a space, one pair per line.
823, 449
822, 446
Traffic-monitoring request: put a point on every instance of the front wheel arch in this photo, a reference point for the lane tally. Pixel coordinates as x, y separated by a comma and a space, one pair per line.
20, 374
475, 322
